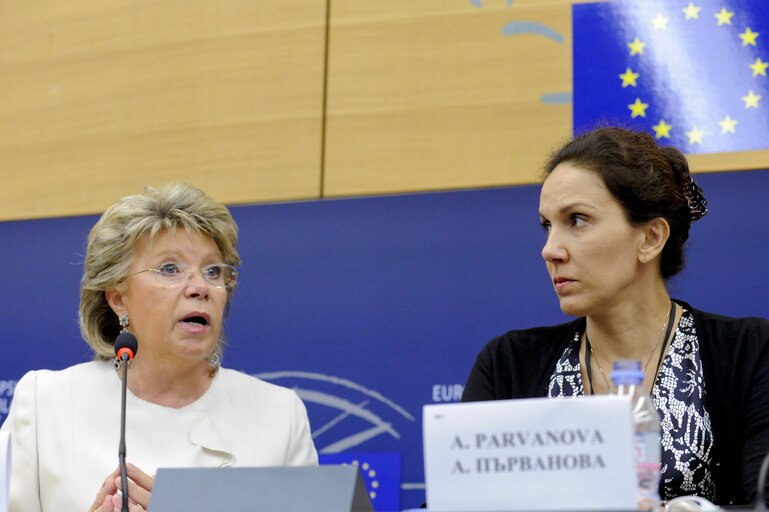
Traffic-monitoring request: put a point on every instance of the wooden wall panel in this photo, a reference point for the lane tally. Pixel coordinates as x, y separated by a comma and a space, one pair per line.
432, 95
102, 98
735, 161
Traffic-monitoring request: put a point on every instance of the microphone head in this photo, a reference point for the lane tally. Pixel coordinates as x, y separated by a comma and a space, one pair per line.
126, 343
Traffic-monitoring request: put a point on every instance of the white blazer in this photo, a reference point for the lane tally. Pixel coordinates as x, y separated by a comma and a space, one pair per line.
65, 429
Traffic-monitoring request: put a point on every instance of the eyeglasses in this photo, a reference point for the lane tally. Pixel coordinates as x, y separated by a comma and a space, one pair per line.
218, 275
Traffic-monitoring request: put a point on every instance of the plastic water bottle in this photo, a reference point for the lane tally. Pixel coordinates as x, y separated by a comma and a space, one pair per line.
628, 380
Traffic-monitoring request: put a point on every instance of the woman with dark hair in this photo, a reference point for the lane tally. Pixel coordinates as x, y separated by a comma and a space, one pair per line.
616, 209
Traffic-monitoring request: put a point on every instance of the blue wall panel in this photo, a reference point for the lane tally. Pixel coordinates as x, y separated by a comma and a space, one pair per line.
373, 307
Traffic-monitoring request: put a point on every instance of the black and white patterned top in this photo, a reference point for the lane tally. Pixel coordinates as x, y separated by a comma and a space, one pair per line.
679, 395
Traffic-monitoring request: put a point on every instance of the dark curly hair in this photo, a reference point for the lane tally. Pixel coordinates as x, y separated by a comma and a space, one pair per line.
647, 180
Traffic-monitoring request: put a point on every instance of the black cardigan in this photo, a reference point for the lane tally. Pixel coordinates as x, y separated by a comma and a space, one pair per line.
735, 361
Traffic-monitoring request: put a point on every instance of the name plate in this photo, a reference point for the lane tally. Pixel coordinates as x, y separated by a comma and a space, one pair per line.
530, 454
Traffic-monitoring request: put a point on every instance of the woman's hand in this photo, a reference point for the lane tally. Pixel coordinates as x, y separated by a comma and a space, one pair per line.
139, 488
103, 500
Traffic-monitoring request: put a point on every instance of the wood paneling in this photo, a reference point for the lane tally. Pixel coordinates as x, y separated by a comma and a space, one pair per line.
100, 99
737, 161
432, 95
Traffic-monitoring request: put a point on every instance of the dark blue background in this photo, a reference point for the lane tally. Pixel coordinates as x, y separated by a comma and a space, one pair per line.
393, 294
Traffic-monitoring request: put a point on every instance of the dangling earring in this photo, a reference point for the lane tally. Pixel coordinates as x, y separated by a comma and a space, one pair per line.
123, 322
215, 361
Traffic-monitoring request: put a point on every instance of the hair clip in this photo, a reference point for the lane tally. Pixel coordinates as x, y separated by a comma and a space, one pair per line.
697, 202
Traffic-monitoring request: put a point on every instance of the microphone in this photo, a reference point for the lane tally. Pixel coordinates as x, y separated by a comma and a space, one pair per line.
126, 347
126, 343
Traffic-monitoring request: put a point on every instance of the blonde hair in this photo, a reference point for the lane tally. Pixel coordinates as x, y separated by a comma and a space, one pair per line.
112, 242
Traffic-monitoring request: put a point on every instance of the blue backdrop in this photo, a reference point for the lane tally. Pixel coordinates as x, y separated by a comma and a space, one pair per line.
373, 307
694, 76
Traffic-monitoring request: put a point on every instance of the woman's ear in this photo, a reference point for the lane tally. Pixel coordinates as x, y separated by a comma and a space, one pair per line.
115, 300
655, 235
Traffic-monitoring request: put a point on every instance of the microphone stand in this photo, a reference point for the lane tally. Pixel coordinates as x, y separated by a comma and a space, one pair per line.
126, 346
124, 358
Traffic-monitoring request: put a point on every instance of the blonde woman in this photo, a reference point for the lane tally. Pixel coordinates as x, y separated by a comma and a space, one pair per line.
161, 265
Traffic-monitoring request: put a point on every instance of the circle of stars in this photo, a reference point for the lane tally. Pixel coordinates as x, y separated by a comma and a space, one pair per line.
369, 474
693, 13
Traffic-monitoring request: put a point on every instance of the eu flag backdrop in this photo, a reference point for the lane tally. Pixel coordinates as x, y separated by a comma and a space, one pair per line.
692, 73
381, 473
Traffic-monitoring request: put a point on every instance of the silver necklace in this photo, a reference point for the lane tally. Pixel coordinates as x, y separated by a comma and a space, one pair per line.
666, 323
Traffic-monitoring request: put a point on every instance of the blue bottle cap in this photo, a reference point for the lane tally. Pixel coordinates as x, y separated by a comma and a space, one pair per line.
627, 372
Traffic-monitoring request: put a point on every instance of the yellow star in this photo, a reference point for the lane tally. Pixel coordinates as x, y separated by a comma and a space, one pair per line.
660, 22
727, 125
695, 135
628, 78
759, 67
662, 129
749, 37
636, 47
724, 17
692, 12
751, 100
638, 108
